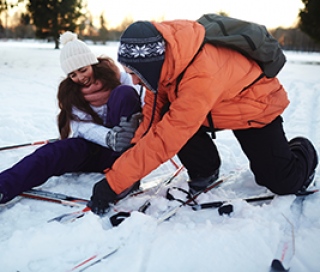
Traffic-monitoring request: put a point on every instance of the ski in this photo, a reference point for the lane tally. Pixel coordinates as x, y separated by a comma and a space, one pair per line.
173, 211
286, 247
54, 197
92, 261
70, 217
43, 195
219, 203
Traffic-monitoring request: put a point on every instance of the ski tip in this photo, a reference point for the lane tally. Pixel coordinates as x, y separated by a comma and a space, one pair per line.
277, 266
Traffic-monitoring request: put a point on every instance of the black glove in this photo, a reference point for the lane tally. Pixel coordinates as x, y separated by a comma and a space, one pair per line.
101, 197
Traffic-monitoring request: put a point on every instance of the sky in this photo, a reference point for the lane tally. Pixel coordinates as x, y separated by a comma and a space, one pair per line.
271, 13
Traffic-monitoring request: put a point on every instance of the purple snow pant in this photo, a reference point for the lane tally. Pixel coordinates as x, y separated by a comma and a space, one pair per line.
69, 155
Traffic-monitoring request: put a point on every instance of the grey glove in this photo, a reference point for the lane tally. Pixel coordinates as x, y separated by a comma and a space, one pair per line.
119, 138
132, 124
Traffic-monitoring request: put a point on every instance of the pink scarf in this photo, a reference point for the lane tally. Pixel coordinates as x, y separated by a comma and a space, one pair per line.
95, 94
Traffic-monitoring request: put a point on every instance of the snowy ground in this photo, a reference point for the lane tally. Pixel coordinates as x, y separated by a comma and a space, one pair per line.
246, 240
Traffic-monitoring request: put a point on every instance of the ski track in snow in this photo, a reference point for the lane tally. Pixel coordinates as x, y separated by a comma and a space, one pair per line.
190, 241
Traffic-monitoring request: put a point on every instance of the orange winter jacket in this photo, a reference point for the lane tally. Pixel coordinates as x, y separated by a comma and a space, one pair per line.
212, 83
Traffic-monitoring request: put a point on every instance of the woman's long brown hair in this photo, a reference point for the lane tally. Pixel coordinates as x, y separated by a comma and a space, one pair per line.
70, 95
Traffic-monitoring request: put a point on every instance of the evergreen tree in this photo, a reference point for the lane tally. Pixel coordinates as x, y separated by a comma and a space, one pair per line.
103, 31
52, 17
25, 19
310, 19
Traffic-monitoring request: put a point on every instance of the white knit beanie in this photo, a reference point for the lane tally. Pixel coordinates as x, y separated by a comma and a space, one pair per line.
75, 53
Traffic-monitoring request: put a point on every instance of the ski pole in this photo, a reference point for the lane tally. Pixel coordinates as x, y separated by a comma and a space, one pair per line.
69, 217
174, 163
27, 144
54, 197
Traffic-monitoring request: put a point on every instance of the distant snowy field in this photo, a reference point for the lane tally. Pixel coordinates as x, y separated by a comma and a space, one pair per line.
245, 241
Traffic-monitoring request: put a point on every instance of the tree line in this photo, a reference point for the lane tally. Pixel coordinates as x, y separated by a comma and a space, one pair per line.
294, 39
47, 19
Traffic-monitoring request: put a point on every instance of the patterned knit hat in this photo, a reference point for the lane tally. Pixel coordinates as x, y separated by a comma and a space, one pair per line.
75, 53
142, 49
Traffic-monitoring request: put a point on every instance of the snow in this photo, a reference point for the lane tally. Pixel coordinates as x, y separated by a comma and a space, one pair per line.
247, 240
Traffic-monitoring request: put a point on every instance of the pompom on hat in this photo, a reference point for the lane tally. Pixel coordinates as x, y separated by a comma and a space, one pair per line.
75, 53
142, 49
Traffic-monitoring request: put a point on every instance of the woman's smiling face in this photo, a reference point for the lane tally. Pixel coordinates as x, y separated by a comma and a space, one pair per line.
83, 76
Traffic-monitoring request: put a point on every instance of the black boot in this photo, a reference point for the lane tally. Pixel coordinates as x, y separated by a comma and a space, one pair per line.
197, 184
303, 146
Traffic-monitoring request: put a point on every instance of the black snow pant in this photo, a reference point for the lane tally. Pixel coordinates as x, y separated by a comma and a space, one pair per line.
272, 162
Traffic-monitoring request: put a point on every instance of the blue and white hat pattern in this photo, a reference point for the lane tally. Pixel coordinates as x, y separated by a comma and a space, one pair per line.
150, 49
